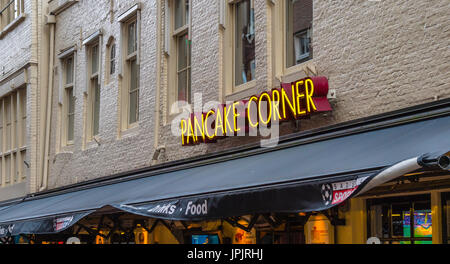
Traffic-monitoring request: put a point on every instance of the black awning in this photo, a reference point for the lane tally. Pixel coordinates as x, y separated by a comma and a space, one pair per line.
310, 176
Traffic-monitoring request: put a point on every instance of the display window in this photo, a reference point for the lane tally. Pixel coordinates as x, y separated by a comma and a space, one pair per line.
401, 220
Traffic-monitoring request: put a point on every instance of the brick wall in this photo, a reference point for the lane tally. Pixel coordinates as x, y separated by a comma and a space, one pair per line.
379, 56
17, 70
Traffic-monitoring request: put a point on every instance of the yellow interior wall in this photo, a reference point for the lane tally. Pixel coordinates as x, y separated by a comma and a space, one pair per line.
162, 235
436, 215
355, 229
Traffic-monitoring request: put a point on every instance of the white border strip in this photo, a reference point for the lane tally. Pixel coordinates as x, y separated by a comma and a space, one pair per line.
392, 173
67, 52
93, 37
129, 12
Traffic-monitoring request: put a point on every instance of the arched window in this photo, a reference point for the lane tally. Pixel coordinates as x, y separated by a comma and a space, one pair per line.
110, 59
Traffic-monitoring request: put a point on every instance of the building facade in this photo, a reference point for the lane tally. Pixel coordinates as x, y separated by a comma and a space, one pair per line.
24, 84
119, 69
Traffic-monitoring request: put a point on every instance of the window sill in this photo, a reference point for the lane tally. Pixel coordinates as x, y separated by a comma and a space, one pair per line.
132, 131
67, 148
12, 25
175, 111
243, 91
13, 151
295, 72
92, 144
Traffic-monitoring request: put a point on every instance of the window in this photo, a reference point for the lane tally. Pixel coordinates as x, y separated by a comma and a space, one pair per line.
13, 142
9, 11
131, 73
244, 42
183, 47
177, 47
110, 59
94, 91
298, 14
401, 220
69, 101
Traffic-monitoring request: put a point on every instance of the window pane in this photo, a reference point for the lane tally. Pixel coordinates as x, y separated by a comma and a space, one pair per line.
94, 59
71, 101
183, 50
298, 31
70, 130
70, 113
96, 107
401, 216
23, 155
134, 111
186, 12
134, 93
14, 168
245, 43
181, 8
423, 222
8, 122
8, 168
134, 78
23, 104
112, 67
15, 141
182, 86
69, 70
132, 38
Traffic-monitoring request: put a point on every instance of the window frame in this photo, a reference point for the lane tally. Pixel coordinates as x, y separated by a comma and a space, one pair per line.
5, 10
129, 59
126, 58
94, 83
13, 153
244, 85
109, 60
281, 70
66, 100
285, 33
171, 49
227, 20
179, 33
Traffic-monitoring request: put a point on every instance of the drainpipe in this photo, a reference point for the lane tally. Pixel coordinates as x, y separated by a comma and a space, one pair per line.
51, 20
158, 84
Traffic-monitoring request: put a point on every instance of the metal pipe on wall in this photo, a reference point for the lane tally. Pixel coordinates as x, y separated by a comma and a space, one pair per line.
44, 182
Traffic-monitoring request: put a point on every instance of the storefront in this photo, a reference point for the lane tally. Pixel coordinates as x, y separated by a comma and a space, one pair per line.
318, 186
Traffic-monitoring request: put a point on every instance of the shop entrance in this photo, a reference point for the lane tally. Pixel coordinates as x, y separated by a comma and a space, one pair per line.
401, 220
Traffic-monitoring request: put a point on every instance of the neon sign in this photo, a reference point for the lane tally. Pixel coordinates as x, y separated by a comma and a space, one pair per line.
292, 101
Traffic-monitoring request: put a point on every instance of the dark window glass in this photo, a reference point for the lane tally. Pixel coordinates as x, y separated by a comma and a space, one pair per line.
298, 31
112, 66
244, 42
